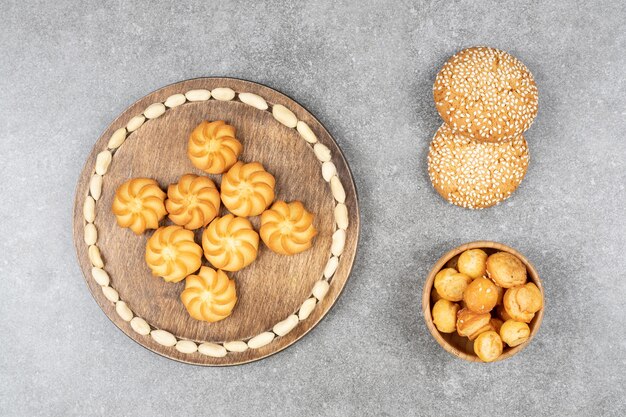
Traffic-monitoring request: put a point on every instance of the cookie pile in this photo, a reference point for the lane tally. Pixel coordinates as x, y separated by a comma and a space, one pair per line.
486, 299
229, 243
487, 99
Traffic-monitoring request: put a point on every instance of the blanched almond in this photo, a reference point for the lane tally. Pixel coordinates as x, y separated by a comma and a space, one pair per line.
236, 346
94, 257
284, 115
95, 186
320, 289
329, 170
341, 216
307, 308
135, 123
163, 337
331, 267
154, 110
123, 311
89, 209
103, 160
175, 100
337, 189
111, 294
253, 100
223, 94
212, 349
322, 152
198, 95
306, 132
117, 138
186, 346
100, 276
339, 242
261, 340
140, 326
91, 234
285, 326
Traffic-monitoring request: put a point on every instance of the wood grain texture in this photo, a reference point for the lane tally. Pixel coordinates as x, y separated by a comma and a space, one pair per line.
272, 287
458, 345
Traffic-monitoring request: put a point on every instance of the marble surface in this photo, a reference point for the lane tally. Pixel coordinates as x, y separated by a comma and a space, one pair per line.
365, 69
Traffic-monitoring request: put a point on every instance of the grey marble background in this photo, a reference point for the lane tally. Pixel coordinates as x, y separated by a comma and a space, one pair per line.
366, 69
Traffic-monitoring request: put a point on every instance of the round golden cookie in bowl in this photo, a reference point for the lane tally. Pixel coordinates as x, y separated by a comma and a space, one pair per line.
489, 324
486, 94
474, 174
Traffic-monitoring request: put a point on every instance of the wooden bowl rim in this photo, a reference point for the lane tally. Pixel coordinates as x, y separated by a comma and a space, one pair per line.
428, 285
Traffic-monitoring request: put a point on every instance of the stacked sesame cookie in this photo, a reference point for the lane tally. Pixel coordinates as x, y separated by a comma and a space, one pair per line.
487, 99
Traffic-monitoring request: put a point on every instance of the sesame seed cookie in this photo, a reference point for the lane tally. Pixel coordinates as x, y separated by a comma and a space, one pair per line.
474, 174
486, 94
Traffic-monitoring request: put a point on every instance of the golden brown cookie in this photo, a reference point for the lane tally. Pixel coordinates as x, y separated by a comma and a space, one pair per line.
488, 346
138, 205
531, 297
472, 324
287, 228
230, 243
480, 296
213, 148
193, 202
171, 253
210, 295
473, 263
506, 270
486, 94
517, 303
247, 189
514, 333
450, 284
444, 315
475, 174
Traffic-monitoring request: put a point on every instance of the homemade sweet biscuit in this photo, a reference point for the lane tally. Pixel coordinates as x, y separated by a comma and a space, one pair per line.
486, 94
213, 148
474, 174
444, 315
488, 346
480, 296
210, 295
193, 202
172, 254
451, 284
247, 189
138, 205
287, 228
230, 243
506, 270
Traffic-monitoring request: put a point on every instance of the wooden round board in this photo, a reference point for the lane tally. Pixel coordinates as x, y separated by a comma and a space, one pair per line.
274, 287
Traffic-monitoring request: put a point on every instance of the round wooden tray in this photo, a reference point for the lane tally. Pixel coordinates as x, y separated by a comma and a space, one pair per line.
271, 288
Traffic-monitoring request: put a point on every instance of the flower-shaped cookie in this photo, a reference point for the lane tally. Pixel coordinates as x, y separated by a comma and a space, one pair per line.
172, 253
138, 205
230, 243
287, 228
210, 295
193, 202
247, 189
213, 147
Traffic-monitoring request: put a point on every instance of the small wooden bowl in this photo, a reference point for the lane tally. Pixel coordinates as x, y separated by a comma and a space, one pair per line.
460, 346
